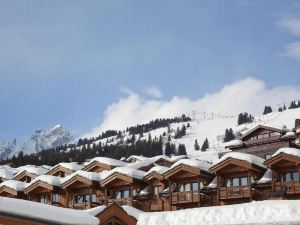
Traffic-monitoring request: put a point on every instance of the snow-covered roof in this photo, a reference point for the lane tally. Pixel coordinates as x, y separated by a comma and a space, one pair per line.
175, 158
266, 178
48, 179
88, 175
38, 170
108, 161
46, 213
233, 143
74, 166
140, 164
289, 134
131, 172
260, 212
244, 157
158, 169
288, 151
14, 184
6, 174
193, 163
136, 157
158, 157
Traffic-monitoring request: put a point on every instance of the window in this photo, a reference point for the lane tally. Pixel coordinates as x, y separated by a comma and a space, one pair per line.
290, 176
244, 181
55, 198
228, 182
118, 194
94, 198
188, 187
126, 194
235, 182
44, 199
194, 186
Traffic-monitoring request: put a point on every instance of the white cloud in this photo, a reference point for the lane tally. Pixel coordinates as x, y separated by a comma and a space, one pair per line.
154, 92
249, 95
291, 24
292, 50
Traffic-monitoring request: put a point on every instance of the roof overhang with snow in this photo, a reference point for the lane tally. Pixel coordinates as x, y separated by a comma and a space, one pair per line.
96, 166
281, 159
8, 190
72, 182
273, 129
40, 185
187, 170
23, 175
119, 179
153, 175
57, 169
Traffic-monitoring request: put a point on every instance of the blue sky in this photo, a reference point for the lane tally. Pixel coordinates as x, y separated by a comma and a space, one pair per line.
67, 61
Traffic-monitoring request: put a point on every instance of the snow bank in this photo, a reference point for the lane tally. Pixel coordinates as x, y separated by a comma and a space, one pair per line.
158, 169
288, 151
193, 163
44, 212
244, 157
14, 184
108, 161
74, 166
138, 174
264, 212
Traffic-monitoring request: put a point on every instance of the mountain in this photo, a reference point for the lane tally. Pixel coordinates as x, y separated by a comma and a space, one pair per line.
39, 140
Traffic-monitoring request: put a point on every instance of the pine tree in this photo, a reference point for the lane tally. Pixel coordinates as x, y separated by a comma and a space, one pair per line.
196, 145
284, 107
181, 149
168, 150
229, 135
205, 145
267, 110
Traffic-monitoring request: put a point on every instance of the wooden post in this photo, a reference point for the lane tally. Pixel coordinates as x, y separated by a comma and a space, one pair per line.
170, 194
249, 183
51, 198
199, 194
218, 189
105, 196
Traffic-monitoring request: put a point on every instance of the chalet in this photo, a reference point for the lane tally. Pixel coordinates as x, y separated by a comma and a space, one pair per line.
116, 215
235, 174
122, 184
64, 169
263, 141
99, 164
285, 166
155, 200
185, 178
46, 189
83, 190
29, 172
12, 189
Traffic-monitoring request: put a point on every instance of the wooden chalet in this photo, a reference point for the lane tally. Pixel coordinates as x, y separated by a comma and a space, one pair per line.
28, 173
235, 174
162, 160
12, 189
121, 185
100, 164
83, 190
46, 189
115, 215
285, 166
185, 179
263, 141
156, 199
64, 169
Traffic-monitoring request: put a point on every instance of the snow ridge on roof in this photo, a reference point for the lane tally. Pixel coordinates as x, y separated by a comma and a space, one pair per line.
108, 161
48, 179
74, 166
44, 212
288, 151
193, 163
88, 175
38, 170
158, 169
131, 172
14, 184
244, 157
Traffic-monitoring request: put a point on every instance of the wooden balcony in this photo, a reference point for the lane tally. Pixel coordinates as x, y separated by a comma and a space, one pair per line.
120, 201
235, 192
262, 140
288, 187
185, 197
82, 206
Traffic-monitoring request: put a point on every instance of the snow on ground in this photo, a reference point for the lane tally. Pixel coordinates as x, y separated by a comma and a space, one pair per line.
44, 212
277, 212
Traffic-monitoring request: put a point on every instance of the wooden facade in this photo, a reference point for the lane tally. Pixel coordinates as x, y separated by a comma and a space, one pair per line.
97, 167
263, 141
25, 177
234, 180
11, 193
59, 171
184, 184
82, 193
121, 189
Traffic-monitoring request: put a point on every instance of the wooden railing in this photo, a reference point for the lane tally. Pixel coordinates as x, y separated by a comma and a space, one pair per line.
185, 197
262, 140
120, 201
289, 187
235, 192
84, 205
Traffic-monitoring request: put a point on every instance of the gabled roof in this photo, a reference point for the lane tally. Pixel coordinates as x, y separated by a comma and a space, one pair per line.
88, 178
156, 172
36, 170
65, 167
260, 126
241, 159
45, 181
23, 174
108, 161
14, 185
286, 154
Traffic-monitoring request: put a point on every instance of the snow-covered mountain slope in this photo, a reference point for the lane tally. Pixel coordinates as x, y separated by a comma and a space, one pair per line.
212, 127
39, 140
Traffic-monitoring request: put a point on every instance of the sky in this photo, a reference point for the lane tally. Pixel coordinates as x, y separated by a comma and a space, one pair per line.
96, 65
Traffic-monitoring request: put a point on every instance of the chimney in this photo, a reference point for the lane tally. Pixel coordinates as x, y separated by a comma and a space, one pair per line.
297, 123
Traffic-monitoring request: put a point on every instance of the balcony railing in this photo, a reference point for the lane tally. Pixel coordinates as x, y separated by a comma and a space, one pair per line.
288, 187
83, 205
185, 197
235, 192
120, 201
